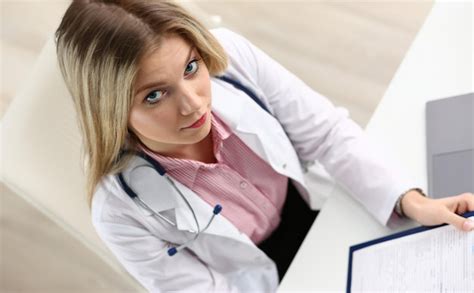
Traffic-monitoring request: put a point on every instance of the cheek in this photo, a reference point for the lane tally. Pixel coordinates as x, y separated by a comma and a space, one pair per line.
152, 122
205, 86
136, 121
141, 121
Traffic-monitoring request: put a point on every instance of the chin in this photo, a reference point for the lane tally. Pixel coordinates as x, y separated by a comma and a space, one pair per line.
206, 130
202, 134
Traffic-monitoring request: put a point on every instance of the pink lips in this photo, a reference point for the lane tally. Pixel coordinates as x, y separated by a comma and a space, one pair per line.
198, 123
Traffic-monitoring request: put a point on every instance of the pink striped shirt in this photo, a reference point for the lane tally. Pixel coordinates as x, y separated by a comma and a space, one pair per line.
251, 193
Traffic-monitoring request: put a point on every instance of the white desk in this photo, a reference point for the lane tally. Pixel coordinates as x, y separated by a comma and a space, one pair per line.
438, 64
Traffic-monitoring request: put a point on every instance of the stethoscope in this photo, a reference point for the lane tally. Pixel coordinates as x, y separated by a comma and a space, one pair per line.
158, 168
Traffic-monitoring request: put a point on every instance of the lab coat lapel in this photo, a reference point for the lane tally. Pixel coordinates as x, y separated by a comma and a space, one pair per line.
258, 129
231, 111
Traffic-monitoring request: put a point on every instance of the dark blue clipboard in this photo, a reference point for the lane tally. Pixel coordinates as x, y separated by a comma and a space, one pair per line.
387, 238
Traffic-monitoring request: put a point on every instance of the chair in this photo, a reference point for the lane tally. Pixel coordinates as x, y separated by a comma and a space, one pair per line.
40, 146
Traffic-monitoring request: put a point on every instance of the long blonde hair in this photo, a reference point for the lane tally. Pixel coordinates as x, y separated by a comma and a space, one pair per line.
99, 44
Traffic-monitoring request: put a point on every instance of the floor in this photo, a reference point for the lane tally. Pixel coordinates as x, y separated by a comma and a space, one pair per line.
348, 51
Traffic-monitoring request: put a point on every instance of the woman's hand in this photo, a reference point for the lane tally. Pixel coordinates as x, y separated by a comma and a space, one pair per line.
429, 212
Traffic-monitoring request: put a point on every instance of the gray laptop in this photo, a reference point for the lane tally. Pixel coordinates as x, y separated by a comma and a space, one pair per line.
450, 145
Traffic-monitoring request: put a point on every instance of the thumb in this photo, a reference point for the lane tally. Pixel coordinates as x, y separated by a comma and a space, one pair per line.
459, 222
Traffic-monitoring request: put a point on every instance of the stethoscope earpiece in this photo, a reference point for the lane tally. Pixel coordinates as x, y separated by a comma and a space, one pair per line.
217, 209
173, 250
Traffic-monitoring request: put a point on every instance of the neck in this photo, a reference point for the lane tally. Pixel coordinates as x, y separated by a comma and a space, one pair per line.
202, 151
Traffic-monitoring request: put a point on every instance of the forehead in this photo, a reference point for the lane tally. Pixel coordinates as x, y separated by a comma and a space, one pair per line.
169, 55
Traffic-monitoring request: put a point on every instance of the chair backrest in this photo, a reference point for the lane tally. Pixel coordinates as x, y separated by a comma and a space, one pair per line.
40, 146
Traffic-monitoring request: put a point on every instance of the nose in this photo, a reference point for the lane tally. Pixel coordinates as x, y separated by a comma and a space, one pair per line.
189, 102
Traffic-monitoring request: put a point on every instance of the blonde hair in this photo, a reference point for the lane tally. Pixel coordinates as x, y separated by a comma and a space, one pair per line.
99, 45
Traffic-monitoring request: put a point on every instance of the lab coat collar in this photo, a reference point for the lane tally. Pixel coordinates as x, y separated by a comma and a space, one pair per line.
230, 110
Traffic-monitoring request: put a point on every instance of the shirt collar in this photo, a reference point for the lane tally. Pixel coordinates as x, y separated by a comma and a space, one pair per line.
220, 132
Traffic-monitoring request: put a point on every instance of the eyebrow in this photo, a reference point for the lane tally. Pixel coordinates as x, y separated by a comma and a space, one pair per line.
153, 84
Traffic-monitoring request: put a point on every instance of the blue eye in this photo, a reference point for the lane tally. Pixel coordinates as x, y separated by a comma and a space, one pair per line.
154, 97
192, 67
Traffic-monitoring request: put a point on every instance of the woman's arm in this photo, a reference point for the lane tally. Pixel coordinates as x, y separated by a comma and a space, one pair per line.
320, 131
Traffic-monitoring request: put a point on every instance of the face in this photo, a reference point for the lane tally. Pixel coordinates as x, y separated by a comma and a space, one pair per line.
172, 101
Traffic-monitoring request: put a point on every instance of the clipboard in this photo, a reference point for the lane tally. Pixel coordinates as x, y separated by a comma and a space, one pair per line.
401, 234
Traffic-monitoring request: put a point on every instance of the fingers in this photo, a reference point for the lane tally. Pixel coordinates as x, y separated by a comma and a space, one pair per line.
469, 199
468, 225
459, 222
459, 204
464, 203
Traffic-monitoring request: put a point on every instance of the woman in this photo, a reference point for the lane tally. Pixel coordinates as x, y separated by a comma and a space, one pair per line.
163, 157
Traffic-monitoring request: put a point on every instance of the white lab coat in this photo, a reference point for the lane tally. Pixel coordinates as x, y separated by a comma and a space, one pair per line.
305, 127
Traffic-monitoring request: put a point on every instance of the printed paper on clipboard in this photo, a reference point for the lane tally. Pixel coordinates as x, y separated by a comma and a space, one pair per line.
422, 259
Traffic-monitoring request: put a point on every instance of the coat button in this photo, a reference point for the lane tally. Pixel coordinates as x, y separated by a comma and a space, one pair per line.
284, 166
243, 184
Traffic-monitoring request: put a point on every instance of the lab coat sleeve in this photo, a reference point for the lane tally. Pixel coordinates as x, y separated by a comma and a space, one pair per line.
320, 131
145, 257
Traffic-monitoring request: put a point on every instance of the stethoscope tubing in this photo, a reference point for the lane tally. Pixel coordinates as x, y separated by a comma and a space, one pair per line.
136, 198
